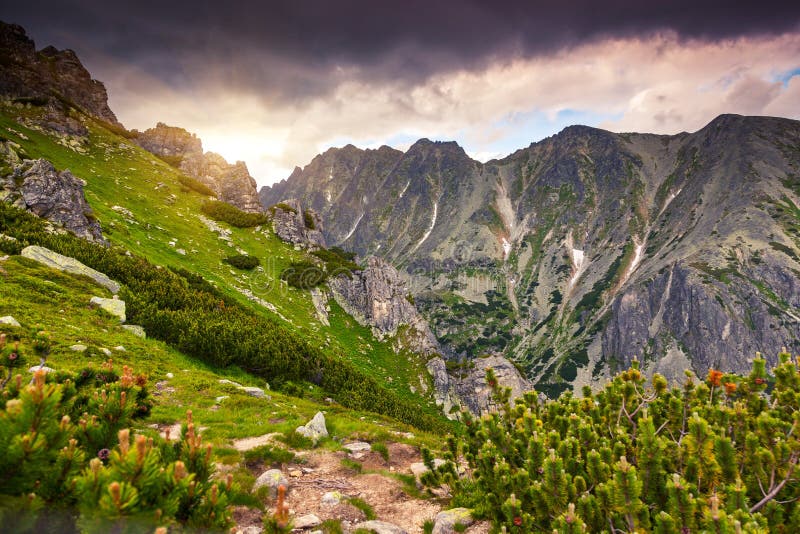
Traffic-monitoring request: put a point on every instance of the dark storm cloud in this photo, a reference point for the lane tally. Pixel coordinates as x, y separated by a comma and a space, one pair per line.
299, 48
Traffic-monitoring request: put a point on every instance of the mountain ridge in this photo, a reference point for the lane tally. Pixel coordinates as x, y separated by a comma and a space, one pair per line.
580, 218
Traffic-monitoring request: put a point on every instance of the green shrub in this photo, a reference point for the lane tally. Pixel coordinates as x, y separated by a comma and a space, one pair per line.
282, 206
171, 160
304, 275
65, 443
192, 184
308, 219
242, 261
222, 211
269, 455
364, 506
717, 455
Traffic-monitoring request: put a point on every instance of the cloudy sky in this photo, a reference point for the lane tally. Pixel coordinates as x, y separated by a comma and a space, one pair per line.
274, 83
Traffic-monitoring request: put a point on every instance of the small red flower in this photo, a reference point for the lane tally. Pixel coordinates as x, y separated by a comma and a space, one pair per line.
760, 381
518, 521
13, 356
730, 388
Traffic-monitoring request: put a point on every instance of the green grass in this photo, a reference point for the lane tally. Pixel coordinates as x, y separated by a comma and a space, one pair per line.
145, 206
36, 295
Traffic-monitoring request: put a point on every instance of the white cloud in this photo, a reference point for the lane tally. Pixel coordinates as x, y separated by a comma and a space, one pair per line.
660, 85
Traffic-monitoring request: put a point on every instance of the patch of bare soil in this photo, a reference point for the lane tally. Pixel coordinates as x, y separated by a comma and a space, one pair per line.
322, 472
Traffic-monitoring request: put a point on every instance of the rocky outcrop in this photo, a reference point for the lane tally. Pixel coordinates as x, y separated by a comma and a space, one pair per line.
36, 186
378, 297
68, 265
475, 393
52, 79
169, 142
296, 225
231, 183
466, 386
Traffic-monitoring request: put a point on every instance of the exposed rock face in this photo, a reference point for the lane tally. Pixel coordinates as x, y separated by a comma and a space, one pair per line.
232, 183
587, 248
35, 185
54, 260
169, 141
378, 297
473, 390
296, 225
50, 78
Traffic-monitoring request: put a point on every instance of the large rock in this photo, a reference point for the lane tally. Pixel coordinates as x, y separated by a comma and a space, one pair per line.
54, 260
379, 527
9, 321
52, 79
273, 479
315, 429
446, 521
114, 306
136, 330
473, 391
378, 297
306, 521
35, 185
295, 224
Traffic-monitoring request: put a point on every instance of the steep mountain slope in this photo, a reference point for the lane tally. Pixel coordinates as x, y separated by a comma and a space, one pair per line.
588, 248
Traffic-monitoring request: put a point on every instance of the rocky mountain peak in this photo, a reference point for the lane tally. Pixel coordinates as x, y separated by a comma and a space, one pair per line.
232, 183
50, 77
169, 141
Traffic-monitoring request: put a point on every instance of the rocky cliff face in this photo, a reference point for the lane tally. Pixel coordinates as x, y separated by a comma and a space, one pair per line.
377, 296
50, 78
36, 186
588, 248
296, 225
232, 183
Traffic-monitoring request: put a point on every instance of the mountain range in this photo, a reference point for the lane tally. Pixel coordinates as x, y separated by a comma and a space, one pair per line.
585, 250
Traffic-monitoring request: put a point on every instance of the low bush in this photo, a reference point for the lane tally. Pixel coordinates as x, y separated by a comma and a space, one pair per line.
65, 444
224, 212
242, 261
718, 455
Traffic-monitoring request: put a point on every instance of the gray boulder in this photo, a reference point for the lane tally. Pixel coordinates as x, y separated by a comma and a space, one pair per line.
68, 265
52, 195
475, 393
306, 521
272, 478
115, 306
10, 321
135, 329
378, 297
315, 429
446, 521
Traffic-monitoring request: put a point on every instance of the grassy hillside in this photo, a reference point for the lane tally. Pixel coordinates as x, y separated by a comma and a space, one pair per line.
144, 208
